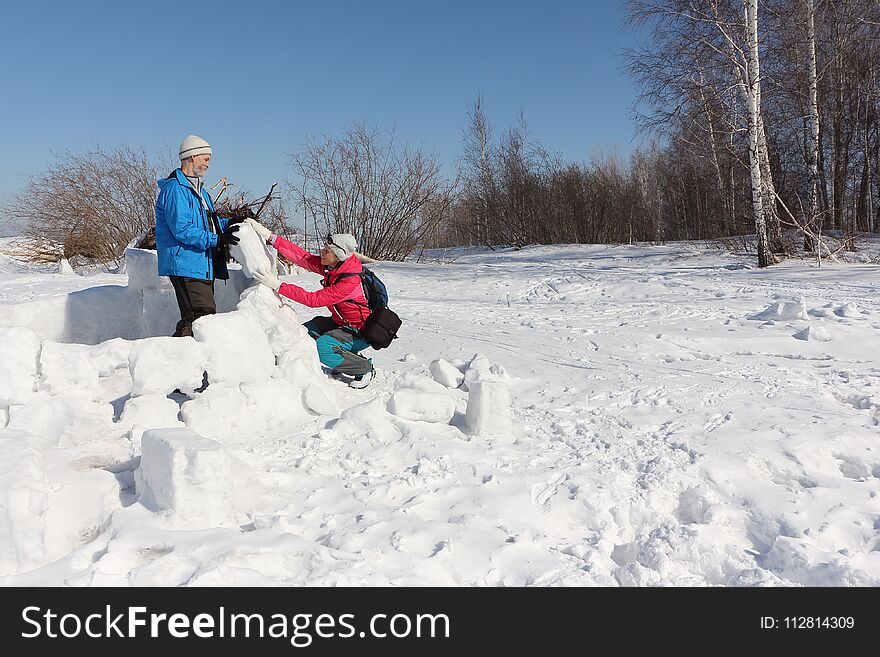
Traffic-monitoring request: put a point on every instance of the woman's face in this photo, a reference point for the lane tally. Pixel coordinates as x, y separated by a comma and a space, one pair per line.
328, 258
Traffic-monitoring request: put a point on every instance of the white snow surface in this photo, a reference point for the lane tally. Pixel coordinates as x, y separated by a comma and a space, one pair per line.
557, 415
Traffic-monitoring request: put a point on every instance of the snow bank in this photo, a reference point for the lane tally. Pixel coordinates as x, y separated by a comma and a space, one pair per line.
782, 311
187, 476
19, 354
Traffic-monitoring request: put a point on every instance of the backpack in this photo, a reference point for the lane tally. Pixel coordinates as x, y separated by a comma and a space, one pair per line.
374, 290
383, 323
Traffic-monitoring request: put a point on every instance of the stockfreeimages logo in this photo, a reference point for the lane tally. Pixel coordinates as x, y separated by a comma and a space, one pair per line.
300, 630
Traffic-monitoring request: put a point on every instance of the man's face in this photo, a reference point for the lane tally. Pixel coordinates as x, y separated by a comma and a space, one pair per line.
201, 164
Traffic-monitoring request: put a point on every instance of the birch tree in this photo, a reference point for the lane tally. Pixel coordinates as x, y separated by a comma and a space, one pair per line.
753, 103
812, 219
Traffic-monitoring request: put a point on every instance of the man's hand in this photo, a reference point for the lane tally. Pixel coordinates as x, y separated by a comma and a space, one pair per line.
264, 233
268, 279
229, 236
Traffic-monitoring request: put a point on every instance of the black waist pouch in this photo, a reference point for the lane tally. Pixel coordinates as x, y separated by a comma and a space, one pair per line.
381, 328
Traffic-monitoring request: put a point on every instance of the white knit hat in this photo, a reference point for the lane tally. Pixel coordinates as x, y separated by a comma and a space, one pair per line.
342, 244
192, 146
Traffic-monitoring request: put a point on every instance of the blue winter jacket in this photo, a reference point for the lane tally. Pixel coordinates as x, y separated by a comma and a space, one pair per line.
185, 244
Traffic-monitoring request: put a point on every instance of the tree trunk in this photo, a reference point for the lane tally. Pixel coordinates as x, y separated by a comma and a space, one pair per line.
811, 221
753, 95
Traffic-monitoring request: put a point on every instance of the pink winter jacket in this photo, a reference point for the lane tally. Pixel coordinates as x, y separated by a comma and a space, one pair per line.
337, 295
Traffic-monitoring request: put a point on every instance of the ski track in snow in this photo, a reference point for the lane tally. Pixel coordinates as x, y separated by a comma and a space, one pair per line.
659, 437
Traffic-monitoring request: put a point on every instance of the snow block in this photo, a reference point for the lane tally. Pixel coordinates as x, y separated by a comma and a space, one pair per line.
221, 411
64, 366
65, 268
421, 406
187, 476
446, 373
236, 346
411, 381
275, 406
143, 270
149, 412
371, 418
488, 408
63, 420
161, 313
317, 401
23, 503
19, 354
294, 350
251, 252
812, 333
81, 500
164, 364
480, 369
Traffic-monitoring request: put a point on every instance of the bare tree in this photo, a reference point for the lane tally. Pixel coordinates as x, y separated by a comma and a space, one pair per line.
390, 197
88, 207
812, 219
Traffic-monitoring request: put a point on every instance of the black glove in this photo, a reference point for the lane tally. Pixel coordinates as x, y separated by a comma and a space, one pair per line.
228, 237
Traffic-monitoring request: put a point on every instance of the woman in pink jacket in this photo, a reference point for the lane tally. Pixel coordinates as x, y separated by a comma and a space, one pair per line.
338, 336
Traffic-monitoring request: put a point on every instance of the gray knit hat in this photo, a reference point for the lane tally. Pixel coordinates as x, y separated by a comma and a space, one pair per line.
192, 146
342, 244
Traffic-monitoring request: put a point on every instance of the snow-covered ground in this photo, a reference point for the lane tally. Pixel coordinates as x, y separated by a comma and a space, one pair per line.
641, 415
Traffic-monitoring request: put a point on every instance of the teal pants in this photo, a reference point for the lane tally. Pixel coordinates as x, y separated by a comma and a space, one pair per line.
338, 347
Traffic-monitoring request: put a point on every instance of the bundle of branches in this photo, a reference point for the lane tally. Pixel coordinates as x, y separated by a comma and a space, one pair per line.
34, 251
271, 215
238, 209
147, 240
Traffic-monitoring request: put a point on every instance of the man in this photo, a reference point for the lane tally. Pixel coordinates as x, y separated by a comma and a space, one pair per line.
338, 337
191, 239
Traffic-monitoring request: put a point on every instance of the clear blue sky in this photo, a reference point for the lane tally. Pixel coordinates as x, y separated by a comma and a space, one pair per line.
256, 78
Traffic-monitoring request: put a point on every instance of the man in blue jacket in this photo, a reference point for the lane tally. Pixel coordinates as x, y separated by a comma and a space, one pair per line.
191, 239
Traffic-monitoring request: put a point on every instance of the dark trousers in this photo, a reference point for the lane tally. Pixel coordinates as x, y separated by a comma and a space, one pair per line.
195, 298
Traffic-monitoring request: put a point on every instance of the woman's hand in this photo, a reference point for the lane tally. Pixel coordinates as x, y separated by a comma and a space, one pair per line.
268, 279
264, 233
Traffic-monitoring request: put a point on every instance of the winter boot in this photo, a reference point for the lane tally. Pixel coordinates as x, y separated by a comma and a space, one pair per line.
363, 380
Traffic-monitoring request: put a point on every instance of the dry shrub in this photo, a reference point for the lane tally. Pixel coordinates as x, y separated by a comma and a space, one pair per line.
92, 205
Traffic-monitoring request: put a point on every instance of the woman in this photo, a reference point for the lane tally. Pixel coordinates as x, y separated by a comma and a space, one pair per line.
338, 336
